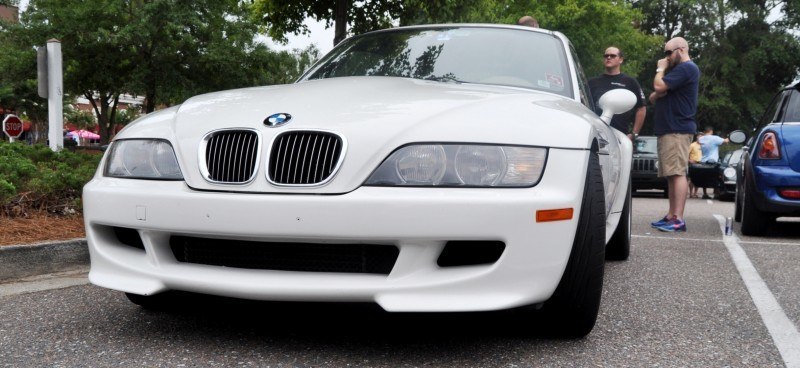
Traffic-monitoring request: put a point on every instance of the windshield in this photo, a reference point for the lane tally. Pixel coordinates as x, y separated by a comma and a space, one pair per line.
645, 145
499, 56
733, 158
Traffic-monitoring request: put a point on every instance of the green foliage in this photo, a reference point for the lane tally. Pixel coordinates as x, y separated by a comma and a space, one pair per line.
744, 59
163, 50
81, 119
32, 176
280, 17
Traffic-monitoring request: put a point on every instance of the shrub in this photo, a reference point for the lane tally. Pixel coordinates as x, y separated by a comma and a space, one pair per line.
34, 177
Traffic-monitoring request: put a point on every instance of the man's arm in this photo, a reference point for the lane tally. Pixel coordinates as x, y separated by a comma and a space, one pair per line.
659, 85
656, 95
638, 121
658, 81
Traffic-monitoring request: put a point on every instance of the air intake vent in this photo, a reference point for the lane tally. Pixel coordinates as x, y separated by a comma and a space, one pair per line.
230, 156
304, 157
644, 164
303, 257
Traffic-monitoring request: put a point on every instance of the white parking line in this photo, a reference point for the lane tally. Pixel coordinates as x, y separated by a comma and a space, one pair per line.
783, 331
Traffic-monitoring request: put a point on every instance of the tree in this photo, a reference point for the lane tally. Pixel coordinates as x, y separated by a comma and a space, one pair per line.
743, 58
164, 50
18, 85
287, 16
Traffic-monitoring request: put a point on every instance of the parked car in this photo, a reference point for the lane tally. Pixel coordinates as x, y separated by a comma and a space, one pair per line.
769, 185
425, 169
726, 172
644, 168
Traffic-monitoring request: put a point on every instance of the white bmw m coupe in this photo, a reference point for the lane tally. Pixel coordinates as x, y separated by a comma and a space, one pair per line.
426, 169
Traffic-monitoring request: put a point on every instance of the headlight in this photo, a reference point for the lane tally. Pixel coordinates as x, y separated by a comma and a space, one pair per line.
729, 172
461, 165
143, 159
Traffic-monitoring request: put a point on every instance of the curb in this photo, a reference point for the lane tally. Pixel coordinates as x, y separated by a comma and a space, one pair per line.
20, 261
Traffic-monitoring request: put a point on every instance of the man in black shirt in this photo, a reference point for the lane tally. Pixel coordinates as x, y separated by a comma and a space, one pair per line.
613, 78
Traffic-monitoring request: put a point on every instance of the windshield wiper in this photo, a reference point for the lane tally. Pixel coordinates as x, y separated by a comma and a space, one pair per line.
443, 78
646, 152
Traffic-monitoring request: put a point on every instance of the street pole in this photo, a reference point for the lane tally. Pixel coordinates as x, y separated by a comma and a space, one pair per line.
55, 95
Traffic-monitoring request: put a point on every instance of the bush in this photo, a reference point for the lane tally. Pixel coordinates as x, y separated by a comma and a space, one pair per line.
32, 177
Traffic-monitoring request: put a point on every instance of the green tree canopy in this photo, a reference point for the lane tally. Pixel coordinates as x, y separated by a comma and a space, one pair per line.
164, 50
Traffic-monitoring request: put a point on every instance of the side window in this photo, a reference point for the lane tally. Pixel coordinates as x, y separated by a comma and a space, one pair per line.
792, 113
583, 83
771, 113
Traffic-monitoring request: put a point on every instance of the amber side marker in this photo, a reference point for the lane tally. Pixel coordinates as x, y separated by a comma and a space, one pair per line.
554, 215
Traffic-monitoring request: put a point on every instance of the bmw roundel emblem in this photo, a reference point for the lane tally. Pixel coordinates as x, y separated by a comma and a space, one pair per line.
276, 120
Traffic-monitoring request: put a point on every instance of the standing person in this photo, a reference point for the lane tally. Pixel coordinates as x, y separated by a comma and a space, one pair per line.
675, 100
528, 21
709, 144
613, 78
695, 156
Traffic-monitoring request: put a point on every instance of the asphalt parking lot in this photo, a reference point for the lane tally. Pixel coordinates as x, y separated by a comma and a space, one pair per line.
690, 299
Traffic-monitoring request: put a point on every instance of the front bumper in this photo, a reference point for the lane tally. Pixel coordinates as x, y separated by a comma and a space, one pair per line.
419, 221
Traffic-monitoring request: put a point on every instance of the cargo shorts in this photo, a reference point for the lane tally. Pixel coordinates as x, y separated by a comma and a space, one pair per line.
673, 154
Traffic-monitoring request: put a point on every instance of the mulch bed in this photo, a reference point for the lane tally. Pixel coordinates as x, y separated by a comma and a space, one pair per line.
39, 227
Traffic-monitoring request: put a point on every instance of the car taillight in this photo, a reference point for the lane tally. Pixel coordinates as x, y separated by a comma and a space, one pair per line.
769, 147
789, 193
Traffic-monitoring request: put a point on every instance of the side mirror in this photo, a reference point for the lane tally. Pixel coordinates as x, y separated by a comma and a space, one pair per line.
737, 136
614, 102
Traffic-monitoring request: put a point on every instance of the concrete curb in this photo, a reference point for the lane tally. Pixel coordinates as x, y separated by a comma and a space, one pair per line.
18, 261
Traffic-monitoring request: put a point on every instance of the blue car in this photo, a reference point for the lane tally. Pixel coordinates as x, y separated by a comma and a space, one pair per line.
769, 182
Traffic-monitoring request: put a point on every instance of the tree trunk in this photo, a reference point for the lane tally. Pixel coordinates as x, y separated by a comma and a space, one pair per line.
104, 111
340, 21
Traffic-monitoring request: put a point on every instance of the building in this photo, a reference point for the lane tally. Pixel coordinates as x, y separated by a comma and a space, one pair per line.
9, 13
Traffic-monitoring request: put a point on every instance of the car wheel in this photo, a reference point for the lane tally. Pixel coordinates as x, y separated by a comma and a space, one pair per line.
159, 301
572, 310
737, 208
619, 247
754, 222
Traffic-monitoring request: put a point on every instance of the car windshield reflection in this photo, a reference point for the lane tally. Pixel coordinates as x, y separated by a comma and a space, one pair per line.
508, 57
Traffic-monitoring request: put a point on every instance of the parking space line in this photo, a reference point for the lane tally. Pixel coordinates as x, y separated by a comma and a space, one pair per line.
674, 238
783, 331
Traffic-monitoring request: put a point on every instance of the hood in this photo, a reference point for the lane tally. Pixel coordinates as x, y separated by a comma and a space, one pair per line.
374, 116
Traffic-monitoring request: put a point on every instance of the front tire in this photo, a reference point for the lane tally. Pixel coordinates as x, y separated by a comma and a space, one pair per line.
737, 208
572, 310
619, 247
161, 301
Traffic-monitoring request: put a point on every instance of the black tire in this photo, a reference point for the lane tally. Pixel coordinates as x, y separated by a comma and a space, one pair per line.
161, 301
754, 222
737, 208
619, 246
571, 311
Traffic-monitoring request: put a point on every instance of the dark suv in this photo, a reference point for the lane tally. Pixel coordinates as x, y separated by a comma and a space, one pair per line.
644, 167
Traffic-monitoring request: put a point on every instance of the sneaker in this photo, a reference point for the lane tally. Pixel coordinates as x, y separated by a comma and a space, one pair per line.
661, 222
705, 196
673, 225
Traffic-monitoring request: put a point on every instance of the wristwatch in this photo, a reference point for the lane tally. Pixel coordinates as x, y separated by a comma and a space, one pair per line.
659, 70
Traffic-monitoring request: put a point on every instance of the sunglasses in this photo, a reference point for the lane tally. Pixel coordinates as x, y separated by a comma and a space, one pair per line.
610, 56
669, 52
